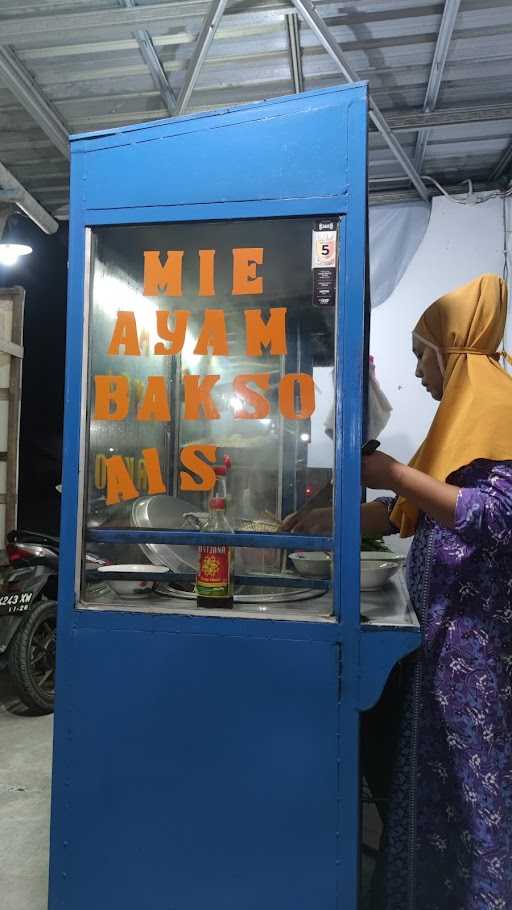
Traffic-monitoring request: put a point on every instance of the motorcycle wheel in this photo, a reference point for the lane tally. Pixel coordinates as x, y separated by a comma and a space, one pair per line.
32, 658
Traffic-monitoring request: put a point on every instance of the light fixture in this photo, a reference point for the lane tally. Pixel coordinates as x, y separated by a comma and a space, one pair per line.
11, 252
11, 245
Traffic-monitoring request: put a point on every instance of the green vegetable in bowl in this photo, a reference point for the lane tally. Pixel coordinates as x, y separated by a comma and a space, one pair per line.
374, 545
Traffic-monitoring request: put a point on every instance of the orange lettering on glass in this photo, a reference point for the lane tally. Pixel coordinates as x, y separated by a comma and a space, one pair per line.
297, 396
167, 277
125, 335
176, 336
206, 273
213, 334
245, 262
197, 397
121, 471
270, 334
153, 472
163, 278
120, 486
260, 405
112, 400
198, 466
155, 404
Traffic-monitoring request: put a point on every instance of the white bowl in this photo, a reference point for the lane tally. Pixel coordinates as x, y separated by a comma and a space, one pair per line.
127, 587
312, 565
377, 569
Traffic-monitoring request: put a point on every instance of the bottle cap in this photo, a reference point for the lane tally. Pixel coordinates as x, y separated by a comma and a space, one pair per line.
218, 502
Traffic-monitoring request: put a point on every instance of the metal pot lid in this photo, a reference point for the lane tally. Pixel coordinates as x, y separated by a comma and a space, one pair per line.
165, 513
286, 595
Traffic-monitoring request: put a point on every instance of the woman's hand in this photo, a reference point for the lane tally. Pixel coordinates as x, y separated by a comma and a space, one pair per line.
314, 521
434, 497
381, 472
375, 519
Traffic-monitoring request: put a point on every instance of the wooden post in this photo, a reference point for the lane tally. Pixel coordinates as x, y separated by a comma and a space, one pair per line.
13, 347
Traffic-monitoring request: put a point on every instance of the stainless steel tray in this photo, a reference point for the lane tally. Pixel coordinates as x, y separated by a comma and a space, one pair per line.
287, 595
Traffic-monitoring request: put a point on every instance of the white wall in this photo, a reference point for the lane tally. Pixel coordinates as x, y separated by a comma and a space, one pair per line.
321, 449
461, 243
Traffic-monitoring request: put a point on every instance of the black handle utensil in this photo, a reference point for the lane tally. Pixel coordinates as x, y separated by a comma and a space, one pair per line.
370, 447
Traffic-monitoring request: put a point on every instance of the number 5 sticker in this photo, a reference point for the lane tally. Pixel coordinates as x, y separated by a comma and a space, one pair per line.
323, 263
324, 250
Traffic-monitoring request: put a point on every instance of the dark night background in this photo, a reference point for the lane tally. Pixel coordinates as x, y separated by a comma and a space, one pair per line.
43, 274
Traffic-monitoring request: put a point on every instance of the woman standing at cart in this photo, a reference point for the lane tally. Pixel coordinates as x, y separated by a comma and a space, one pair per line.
452, 796
448, 838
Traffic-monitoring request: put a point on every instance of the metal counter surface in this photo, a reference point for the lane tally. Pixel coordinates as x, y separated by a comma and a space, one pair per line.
389, 606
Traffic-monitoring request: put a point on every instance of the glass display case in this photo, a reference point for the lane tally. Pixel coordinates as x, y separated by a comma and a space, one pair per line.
203, 341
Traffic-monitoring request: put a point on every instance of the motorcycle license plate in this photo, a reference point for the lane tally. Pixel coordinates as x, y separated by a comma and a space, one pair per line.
15, 603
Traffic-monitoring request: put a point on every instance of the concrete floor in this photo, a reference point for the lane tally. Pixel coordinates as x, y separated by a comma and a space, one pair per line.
25, 760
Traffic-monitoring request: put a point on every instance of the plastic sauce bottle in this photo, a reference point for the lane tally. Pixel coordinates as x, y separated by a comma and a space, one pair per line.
221, 473
220, 488
214, 583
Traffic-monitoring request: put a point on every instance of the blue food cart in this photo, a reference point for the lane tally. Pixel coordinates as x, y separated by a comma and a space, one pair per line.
209, 757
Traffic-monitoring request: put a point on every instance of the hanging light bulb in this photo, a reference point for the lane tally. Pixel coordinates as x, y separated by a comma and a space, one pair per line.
11, 246
11, 252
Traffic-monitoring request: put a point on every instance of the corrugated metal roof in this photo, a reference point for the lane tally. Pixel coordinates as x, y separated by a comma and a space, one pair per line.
84, 59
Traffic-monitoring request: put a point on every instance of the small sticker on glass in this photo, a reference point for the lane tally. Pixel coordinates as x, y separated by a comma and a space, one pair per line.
323, 263
324, 250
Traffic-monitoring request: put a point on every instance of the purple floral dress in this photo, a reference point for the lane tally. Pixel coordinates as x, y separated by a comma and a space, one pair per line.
448, 842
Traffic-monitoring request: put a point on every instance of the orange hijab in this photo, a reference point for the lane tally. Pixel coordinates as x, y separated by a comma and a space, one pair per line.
474, 418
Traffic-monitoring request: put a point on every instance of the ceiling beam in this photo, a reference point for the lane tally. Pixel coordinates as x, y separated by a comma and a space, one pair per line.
403, 121
157, 72
16, 29
390, 196
399, 121
292, 25
326, 38
450, 116
21, 84
202, 46
5, 213
503, 165
444, 37
26, 202
154, 64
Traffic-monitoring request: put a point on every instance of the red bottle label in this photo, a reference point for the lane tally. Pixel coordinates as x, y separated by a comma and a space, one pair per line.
214, 576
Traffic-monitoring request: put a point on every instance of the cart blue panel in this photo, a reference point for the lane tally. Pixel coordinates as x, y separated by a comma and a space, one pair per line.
206, 775
219, 152
213, 761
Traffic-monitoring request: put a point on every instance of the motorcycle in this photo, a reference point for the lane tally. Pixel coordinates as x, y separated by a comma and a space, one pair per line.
28, 616
28, 591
